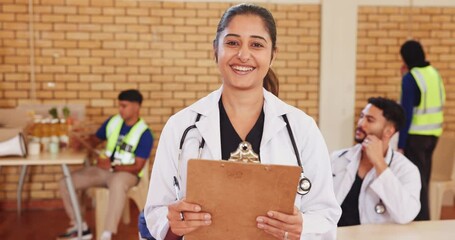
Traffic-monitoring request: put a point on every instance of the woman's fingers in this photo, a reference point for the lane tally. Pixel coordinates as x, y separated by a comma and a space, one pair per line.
180, 231
286, 218
202, 216
192, 219
280, 224
191, 223
189, 211
182, 206
273, 223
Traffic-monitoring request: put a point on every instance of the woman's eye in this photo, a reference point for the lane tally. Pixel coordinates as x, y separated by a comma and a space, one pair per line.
257, 45
231, 43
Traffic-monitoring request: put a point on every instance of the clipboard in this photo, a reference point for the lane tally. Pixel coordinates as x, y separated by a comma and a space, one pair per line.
236, 193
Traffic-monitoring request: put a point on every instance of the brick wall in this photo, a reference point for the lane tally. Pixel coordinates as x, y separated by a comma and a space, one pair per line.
382, 31
93, 49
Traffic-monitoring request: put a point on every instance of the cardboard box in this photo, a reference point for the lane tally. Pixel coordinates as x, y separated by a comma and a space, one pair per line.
12, 122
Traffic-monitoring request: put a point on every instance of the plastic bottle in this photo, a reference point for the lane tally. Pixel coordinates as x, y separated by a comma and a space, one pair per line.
63, 134
54, 130
45, 134
36, 133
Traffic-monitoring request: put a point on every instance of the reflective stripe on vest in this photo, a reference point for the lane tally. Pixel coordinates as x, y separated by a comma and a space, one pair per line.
428, 116
113, 128
124, 150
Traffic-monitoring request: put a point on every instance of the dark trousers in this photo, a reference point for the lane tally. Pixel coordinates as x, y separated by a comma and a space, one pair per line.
419, 149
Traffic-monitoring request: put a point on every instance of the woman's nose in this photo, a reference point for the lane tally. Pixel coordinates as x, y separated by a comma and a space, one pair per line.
244, 54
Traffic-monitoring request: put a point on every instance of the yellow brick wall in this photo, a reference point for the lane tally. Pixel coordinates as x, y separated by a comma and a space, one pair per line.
382, 31
94, 49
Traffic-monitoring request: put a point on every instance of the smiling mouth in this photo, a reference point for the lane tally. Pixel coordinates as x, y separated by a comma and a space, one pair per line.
242, 69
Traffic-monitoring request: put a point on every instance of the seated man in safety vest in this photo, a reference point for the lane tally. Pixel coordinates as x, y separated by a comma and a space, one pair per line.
372, 182
129, 142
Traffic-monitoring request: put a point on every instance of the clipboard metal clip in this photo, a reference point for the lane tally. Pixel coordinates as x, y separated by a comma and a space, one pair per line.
244, 153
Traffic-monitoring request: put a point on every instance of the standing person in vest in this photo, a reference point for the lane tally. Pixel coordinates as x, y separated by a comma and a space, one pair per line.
129, 142
422, 97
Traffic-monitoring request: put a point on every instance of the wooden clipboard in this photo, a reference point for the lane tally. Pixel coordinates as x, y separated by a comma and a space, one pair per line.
236, 193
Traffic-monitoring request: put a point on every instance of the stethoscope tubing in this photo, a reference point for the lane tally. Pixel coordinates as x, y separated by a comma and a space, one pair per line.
380, 208
303, 181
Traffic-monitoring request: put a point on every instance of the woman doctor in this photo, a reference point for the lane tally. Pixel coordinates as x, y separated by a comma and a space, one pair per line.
243, 109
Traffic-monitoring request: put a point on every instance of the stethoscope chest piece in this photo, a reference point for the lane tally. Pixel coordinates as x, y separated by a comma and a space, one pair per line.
304, 185
380, 208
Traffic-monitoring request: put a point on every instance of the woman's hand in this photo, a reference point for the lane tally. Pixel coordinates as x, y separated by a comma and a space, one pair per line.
193, 218
280, 225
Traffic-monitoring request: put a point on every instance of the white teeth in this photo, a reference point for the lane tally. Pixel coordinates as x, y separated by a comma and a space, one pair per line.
241, 68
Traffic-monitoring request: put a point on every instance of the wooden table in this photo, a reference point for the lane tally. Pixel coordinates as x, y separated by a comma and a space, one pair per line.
63, 158
420, 230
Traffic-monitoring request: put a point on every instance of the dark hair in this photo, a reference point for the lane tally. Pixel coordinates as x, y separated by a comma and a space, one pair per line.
413, 55
131, 95
270, 80
391, 110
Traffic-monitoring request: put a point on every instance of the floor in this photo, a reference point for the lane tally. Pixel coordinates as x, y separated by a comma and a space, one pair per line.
47, 224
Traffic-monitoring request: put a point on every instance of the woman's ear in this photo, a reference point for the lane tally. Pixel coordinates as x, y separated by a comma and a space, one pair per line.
215, 55
274, 52
215, 51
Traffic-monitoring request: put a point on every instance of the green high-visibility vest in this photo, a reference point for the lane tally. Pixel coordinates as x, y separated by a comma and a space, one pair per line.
124, 150
428, 117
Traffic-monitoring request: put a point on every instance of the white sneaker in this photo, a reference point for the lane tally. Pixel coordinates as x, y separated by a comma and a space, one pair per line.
106, 235
72, 235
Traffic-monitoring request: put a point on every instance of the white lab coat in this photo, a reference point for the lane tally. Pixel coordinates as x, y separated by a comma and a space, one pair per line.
398, 186
319, 207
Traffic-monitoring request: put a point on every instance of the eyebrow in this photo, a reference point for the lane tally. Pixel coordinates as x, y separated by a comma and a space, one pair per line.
236, 35
370, 117
367, 115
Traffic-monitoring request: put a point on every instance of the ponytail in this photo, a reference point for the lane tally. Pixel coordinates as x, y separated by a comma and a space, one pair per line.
271, 83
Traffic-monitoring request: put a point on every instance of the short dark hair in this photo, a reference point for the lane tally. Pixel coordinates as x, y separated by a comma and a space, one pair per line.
391, 110
131, 95
413, 55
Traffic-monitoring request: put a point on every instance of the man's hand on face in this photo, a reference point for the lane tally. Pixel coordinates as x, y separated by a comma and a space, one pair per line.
372, 147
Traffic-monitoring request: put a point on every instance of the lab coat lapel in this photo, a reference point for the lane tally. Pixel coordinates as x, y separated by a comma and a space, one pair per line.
209, 125
353, 156
273, 122
389, 155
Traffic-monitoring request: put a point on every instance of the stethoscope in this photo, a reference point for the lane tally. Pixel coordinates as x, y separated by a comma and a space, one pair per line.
304, 185
380, 208
182, 141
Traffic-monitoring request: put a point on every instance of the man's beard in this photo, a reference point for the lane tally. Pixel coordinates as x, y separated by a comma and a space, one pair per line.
360, 140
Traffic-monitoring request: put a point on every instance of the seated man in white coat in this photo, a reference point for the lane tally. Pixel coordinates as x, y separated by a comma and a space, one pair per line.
372, 182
